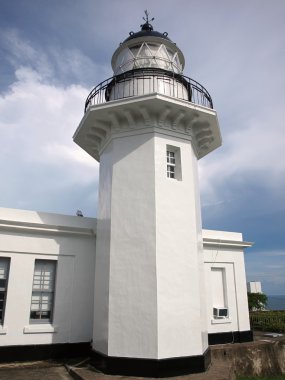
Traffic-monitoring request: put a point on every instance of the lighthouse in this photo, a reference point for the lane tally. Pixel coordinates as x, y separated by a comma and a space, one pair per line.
148, 126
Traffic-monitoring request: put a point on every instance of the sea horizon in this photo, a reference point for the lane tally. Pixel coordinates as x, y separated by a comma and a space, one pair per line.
276, 302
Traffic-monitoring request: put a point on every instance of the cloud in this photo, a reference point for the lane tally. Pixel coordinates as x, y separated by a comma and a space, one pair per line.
272, 276
39, 163
272, 254
251, 154
267, 266
21, 52
53, 64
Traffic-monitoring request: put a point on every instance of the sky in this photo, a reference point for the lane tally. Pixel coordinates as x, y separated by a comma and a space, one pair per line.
52, 53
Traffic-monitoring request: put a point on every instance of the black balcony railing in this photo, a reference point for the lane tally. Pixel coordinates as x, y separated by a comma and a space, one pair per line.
146, 81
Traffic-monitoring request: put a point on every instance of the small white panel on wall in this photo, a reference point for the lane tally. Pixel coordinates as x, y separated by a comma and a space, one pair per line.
254, 287
218, 287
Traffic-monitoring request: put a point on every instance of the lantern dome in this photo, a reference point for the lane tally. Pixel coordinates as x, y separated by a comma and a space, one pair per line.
148, 49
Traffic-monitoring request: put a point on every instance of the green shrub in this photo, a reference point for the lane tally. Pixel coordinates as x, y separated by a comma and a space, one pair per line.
256, 301
273, 321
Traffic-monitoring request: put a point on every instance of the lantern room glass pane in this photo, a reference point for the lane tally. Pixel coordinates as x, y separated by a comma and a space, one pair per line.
147, 55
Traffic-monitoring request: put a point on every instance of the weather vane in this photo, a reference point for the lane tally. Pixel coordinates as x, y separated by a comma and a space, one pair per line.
146, 17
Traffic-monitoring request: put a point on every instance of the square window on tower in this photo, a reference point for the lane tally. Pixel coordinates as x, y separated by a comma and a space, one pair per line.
170, 156
173, 161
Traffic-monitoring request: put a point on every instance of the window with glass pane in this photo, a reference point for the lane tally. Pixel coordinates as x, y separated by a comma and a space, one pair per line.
4, 271
170, 156
43, 291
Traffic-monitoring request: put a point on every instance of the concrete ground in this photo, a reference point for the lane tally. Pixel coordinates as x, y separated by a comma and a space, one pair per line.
219, 372
43, 370
264, 356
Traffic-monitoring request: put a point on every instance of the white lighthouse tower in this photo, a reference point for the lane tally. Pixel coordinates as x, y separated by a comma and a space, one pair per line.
148, 125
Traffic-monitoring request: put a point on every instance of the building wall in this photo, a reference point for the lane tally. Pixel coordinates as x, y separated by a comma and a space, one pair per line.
225, 280
254, 287
125, 308
145, 270
70, 241
182, 326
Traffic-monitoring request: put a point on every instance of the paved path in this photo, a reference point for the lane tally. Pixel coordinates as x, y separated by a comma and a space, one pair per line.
46, 370
219, 371
34, 371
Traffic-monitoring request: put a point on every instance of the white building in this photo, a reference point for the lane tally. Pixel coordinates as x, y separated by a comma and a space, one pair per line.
254, 287
157, 289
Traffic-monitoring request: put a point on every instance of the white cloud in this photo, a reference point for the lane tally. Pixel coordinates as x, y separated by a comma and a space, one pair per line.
251, 153
53, 64
272, 254
21, 52
38, 156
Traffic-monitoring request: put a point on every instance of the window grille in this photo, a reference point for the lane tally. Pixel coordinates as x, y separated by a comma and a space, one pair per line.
43, 291
170, 156
4, 272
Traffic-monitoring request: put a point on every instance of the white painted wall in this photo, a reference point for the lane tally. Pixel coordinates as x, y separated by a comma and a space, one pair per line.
166, 290
154, 303
26, 236
224, 250
102, 268
254, 287
181, 292
132, 319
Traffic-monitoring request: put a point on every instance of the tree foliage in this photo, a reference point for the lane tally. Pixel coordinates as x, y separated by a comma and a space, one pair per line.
256, 301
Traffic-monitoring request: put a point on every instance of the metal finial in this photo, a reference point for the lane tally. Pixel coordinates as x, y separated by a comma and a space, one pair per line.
147, 26
146, 17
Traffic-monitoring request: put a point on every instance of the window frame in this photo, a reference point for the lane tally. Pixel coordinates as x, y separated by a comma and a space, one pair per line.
173, 163
4, 289
170, 159
223, 304
46, 296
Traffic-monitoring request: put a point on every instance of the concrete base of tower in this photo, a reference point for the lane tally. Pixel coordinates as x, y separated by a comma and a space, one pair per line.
151, 367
